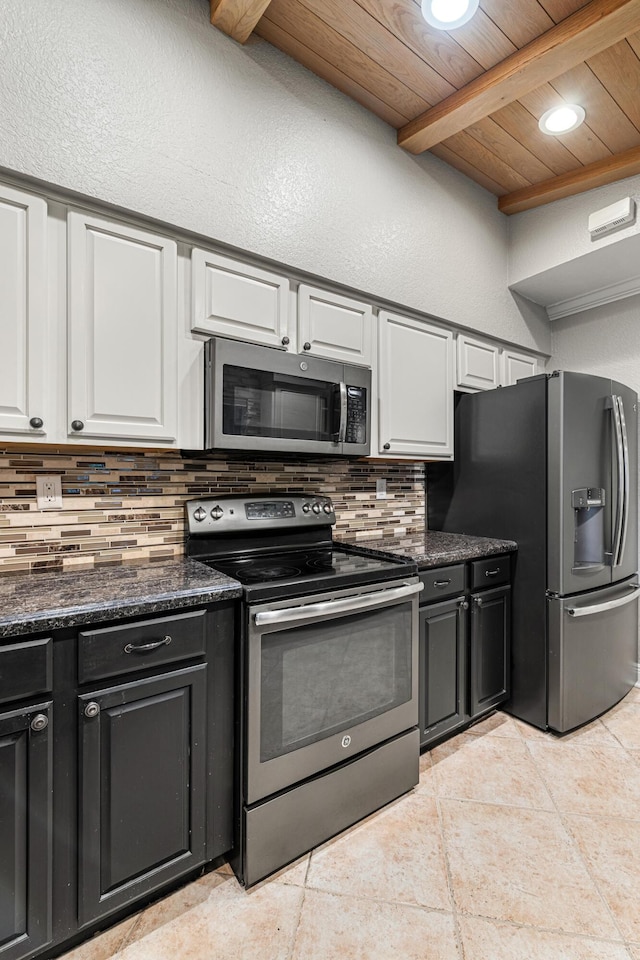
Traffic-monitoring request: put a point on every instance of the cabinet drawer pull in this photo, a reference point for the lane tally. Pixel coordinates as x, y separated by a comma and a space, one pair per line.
441, 583
492, 573
39, 722
92, 710
147, 647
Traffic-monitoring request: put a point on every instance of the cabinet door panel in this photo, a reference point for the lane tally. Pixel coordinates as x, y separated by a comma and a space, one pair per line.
442, 668
517, 366
25, 834
490, 644
143, 779
234, 299
122, 331
335, 327
416, 388
23, 309
478, 363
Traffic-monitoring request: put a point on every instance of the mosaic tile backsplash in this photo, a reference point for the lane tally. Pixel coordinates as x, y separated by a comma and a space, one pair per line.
121, 506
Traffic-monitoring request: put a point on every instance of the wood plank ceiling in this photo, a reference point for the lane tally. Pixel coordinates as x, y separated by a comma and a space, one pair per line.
473, 96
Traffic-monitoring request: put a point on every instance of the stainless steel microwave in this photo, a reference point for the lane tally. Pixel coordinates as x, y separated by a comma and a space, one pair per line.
262, 399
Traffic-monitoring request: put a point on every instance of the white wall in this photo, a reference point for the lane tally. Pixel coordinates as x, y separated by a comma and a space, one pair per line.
143, 104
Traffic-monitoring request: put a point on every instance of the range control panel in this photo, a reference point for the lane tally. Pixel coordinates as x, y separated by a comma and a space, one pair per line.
267, 512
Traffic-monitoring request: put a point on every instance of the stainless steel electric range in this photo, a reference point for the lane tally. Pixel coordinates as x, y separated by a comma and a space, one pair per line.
328, 673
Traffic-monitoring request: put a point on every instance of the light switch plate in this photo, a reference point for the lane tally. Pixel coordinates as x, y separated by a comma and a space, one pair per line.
381, 488
49, 493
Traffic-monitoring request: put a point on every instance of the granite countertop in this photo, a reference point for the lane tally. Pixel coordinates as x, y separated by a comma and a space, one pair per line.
36, 602
433, 548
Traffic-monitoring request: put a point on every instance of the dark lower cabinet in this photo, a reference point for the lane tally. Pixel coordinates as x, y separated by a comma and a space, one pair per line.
442, 659
142, 802
25, 831
489, 649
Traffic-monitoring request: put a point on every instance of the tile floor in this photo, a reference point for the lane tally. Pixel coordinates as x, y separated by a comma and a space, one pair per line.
516, 845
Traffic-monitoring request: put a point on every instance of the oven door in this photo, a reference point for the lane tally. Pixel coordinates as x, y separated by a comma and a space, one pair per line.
328, 677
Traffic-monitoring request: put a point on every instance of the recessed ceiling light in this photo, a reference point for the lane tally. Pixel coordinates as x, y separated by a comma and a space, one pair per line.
448, 14
562, 119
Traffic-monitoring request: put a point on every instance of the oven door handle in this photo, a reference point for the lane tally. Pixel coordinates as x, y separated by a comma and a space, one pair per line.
315, 611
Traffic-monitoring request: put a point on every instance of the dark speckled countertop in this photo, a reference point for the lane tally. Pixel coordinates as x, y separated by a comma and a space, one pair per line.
433, 548
37, 602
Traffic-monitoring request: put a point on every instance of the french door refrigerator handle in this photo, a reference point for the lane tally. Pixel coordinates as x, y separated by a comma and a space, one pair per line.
626, 471
314, 611
607, 605
616, 540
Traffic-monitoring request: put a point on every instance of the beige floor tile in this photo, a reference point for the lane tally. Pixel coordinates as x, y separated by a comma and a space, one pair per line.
460, 767
426, 784
624, 723
175, 906
634, 695
634, 950
592, 734
528, 732
295, 873
508, 863
345, 928
485, 940
611, 848
496, 725
593, 780
230, 925
396, 856
104, 945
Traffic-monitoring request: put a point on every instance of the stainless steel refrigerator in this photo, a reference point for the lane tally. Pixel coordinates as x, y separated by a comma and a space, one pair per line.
551, 462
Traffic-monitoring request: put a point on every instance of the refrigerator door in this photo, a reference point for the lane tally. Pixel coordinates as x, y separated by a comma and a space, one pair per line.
580, 444
593, 641
625, 472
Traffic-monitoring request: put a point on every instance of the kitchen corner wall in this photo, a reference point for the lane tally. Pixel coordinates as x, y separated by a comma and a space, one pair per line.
130, 505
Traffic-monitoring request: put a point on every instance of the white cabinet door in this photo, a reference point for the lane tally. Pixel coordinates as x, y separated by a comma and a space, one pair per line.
478, 363
122, 349
233, 299
24, 354
334, 327
415, 366
517, 366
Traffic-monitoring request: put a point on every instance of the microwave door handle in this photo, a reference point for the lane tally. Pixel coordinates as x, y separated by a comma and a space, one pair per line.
342, 429
616, 540
626, 479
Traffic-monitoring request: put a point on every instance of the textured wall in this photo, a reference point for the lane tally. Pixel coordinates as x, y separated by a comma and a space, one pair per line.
130, 505
143, 104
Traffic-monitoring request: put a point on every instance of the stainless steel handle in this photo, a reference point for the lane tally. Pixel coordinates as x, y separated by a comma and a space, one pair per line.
441, 583
342, 430
607, 605
616, 541
626, 471
315, 611
92, 710
40, 722
147, 647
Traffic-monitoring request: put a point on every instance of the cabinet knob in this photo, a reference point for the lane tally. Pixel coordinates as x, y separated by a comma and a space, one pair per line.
306, 346
464, 604
36, 423
285, 341
386, 446
77, 425
477, 601
39, 722
92, 710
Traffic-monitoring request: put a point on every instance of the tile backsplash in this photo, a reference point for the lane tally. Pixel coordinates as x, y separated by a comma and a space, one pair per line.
124, 505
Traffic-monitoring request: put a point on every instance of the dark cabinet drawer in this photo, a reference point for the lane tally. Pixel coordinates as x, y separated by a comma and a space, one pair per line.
490, 572
442, 582
113, 651
25, 669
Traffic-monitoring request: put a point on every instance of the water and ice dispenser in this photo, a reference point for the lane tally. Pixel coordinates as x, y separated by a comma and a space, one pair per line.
588, 505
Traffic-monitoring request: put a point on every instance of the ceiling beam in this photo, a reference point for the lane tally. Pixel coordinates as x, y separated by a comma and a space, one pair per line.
596, 174
237, 18
593, 28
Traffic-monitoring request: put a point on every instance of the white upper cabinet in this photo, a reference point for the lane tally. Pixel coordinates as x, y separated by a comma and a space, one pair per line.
477, 363
24, 357
122, 328
415, 376
233, 299
517, 366
334, 327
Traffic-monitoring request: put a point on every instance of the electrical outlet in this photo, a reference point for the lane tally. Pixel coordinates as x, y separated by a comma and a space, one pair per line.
49, 493
381, 488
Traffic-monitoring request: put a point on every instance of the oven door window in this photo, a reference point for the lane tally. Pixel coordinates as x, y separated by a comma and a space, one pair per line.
319, 679
259, 403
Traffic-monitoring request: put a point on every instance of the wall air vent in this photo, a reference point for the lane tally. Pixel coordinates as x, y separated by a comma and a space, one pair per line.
611, 217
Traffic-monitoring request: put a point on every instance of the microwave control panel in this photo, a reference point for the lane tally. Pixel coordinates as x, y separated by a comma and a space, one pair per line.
356, 415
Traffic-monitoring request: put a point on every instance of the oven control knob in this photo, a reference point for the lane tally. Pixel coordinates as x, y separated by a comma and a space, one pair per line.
327, 508
199, 514
217, 512
316, 508
305, 508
